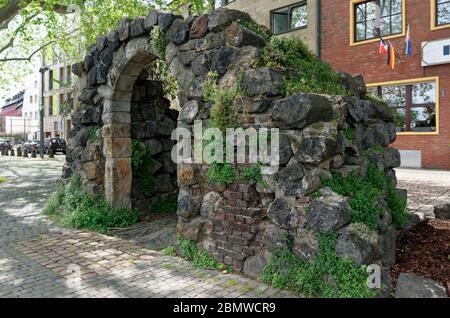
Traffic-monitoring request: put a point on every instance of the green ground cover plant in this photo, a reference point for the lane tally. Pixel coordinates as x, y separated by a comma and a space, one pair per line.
73, 207
310, 74
326, 276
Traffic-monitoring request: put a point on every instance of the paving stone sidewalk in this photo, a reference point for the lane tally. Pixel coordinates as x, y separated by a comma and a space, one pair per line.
426, 188
40, 259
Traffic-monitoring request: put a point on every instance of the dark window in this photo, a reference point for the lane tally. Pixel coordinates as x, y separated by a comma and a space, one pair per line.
289, 18
442, 12
446, 50
50, 79
50, 105
391, 19
414, 105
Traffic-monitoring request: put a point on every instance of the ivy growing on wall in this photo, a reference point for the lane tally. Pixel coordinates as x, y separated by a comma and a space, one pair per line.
142, 164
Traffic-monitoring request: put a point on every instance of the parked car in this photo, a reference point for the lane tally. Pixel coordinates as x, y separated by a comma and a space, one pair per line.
5, 144
29, 145
56, 145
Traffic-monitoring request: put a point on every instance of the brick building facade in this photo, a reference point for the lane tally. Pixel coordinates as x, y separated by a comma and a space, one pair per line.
349, 46
12, 108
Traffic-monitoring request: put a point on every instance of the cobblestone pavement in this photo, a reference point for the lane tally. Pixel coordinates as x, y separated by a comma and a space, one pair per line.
40, 259
426, 188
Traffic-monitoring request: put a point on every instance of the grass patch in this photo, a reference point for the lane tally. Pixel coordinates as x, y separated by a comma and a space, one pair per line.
169, 251
312, 74
223, 110
200, 259
364, 196
221, 173
73, 207
166, 205
327, 276
252, 174
3, 179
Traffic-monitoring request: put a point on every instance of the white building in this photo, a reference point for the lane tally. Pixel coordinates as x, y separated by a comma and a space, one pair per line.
27, 125
31, 102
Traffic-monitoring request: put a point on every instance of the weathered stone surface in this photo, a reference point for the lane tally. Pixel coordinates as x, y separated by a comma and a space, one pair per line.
186, 175
164, 183
137, 27
150, 20
356, 110
201, 64
210, 204
412, 286
237, 35
285, 150
87, 96
300, 110
329, 212
101, 42
221, 18
77, 68
178, 32
221, 59
124, 29
283, 213
262, 81
391, 158
153, 146
199, 27
165, 20
354, 84
290, 179
187, 206
315, 149
442, 211
306, 244
190, 230
357, 242
189, 112
254, 266
273, 237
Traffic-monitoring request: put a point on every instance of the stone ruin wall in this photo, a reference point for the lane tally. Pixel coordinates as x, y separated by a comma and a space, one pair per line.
241, 223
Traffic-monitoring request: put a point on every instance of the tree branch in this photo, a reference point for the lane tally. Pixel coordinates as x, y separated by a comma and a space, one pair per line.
28, 58
16, 31
9, 11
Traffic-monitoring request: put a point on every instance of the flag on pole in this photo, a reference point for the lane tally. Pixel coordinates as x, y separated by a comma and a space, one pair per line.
390, 60
383, 49
408, 43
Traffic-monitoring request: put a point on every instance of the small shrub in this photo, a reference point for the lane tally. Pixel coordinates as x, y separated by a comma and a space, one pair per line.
313, 75
326, 276
349, 134
261, 30
170, 251
166, 205
364, 196
142, 164
221, 173
252, 174
199, 259
223, 111
73, 207
188, 248
398, 206
92, 133
315, 194
159, 41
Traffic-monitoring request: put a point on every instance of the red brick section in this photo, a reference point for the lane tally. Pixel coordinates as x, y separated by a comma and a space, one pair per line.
364, 59
236, 225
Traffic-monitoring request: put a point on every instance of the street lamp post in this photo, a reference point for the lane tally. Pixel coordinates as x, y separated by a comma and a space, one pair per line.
42, 70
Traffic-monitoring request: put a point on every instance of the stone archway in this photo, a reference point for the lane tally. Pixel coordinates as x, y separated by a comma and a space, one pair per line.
238, 223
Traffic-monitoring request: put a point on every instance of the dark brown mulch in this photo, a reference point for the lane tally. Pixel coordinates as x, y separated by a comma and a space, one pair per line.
425, 251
